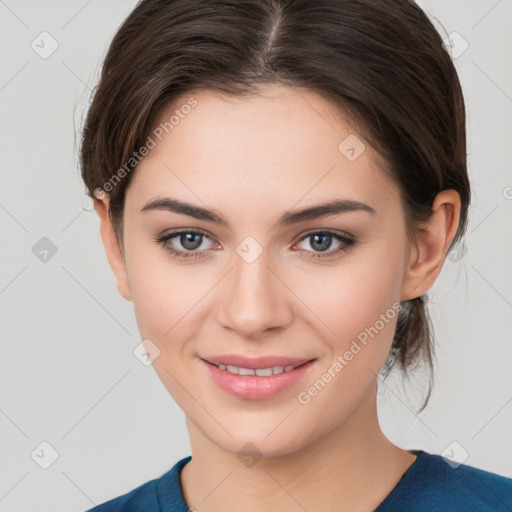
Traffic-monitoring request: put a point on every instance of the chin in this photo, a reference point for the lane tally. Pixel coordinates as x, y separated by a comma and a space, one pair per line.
256, 442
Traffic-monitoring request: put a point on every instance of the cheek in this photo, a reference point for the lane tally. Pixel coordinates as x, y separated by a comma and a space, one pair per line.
351, 297
360, 303
163, 292
165, 311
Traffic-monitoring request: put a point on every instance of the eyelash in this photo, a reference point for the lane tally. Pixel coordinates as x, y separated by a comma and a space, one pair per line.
347, 244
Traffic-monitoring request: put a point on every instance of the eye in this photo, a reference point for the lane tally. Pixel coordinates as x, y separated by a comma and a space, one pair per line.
322, 241
190, 240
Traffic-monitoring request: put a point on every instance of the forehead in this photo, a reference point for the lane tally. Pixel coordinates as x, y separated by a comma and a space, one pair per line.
280, 144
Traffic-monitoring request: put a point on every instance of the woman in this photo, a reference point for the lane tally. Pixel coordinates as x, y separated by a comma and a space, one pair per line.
278, 184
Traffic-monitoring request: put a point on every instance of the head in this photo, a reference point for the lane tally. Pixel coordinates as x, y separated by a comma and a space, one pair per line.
254, 111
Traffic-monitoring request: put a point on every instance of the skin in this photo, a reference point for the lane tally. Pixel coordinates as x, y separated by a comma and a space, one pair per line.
251, 160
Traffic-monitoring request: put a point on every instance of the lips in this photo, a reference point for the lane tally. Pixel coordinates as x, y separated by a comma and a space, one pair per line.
256, 378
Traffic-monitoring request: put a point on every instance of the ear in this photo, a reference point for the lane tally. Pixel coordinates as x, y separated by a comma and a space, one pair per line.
427, 256
114, 253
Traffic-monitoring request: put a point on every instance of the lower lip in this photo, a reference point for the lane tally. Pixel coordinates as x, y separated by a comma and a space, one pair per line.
256, 388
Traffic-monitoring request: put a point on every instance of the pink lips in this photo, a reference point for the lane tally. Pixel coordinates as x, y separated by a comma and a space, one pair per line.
255, 387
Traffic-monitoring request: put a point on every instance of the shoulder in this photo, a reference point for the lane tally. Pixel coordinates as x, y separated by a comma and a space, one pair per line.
464, 487
161, 494
432, 483
140, 499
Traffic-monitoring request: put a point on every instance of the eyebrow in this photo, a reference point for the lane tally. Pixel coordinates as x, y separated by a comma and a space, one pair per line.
293, 217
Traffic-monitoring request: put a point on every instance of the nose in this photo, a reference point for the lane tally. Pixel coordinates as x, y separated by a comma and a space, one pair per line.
255, 299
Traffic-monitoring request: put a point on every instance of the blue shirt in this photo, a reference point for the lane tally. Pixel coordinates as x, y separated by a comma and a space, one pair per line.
430, 484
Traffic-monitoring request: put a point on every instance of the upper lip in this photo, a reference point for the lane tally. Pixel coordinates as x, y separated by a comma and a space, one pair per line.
255, 362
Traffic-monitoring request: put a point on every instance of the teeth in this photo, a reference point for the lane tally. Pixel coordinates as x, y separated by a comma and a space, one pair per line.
264, 372
260, 372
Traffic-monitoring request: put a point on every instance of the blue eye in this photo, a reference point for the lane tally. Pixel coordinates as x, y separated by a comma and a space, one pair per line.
191, 241
322, 240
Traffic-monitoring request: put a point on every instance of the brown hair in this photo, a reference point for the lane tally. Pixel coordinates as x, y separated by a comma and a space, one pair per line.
381, 62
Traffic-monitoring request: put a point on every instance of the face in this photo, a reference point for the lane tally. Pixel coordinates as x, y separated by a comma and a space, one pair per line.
251, 280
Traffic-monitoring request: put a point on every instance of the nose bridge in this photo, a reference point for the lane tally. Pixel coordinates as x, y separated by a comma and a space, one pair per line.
255, 300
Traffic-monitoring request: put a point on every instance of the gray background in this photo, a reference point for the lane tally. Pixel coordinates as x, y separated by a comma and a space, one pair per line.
68, 374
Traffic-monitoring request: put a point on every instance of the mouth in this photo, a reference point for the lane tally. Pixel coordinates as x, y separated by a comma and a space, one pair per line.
256, 378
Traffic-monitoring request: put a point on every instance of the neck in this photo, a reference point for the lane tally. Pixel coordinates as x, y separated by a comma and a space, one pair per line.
353, 467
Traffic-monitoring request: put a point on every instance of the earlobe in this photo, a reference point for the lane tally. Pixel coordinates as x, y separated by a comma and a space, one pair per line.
427, 256
112, 249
